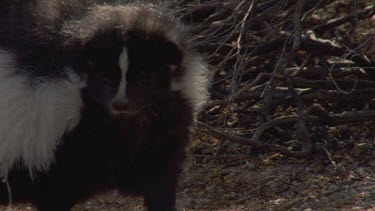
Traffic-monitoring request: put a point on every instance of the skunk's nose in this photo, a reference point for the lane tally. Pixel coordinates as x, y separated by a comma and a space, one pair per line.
120, 105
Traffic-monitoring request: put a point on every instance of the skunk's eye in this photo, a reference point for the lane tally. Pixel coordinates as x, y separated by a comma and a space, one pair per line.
173, 68
90, 63
145, 80
107, 82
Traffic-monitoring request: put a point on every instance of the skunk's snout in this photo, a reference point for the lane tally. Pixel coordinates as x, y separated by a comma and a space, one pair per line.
120, 105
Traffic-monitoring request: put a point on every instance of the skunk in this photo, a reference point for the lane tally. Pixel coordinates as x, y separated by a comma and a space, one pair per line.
94, 96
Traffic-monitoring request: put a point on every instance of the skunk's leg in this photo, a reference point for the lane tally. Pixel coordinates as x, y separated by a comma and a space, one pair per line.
161, 192
54, 207
54, 201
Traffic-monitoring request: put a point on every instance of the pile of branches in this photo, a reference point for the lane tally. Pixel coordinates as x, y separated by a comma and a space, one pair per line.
280, 64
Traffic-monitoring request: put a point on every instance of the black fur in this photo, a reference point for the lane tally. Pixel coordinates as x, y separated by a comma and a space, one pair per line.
138, 154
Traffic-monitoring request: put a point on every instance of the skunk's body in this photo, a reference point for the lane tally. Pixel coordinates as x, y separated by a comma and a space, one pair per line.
94, 97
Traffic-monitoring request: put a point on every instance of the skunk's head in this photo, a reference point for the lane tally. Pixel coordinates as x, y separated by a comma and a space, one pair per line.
129, 72
139, 59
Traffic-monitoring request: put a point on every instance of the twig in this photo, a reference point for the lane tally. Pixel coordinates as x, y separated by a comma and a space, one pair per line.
249, 142
9, 189
269, 89
328, 155
353, 17
302, 132
331, 120
338, 96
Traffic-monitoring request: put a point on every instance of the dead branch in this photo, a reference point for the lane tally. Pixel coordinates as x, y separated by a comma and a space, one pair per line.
270, 60
302, 132
331, 120
335, 95
352, 18
249, 142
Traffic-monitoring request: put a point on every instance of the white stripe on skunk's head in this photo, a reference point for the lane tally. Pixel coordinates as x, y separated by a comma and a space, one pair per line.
119, 103
35, 114
137, 57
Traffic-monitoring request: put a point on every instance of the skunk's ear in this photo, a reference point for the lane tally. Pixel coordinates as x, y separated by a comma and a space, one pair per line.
159, 47
171, 55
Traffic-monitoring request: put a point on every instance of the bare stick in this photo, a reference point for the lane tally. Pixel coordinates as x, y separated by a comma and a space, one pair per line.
353, 17
249, 142
9, 189
330, 119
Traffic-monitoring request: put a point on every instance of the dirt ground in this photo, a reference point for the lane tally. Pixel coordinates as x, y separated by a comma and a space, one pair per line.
222, 176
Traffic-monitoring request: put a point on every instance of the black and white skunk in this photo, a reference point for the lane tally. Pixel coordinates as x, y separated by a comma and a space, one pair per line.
94, 97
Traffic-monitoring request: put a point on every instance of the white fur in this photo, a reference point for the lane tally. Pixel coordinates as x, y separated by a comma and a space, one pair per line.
121, 92
34, 118
124, 65
194, 83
